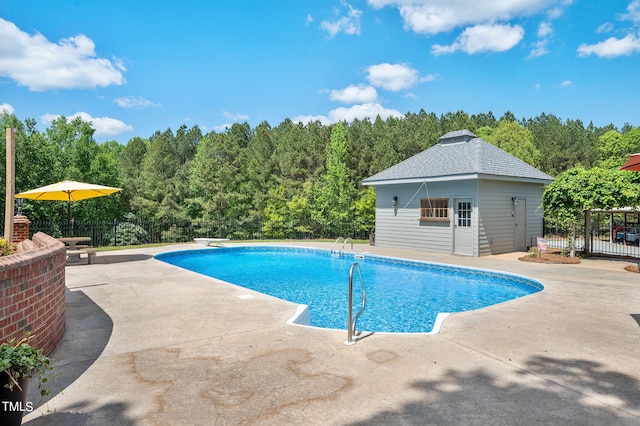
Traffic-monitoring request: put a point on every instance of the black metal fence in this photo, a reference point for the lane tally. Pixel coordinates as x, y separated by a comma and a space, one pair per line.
611, 234
144, 231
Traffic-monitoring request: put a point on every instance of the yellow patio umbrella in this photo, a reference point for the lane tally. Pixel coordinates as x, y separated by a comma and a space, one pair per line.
68, 191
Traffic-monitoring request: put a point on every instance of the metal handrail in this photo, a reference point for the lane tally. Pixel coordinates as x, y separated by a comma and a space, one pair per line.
345, 243
335, 244
351, 322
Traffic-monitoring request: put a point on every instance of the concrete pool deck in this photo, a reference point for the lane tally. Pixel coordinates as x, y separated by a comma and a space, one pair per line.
148, 343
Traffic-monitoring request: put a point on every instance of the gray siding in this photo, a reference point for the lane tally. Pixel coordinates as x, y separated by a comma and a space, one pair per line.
401, 227
493, 222
496, 233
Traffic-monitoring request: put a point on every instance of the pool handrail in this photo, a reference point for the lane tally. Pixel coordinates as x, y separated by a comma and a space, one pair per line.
351, 323
344, 243
335, 244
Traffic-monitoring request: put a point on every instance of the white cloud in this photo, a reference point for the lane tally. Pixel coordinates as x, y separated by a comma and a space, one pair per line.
132, 102
6, 108
361, 111
370, 110
436, 16
104, 126
395, 77
566, 83
539, 49
545, 29
349, 24
308, 20
306, 119
605, 28
355, 94
612, 47
483, 38
633, 12
222, 127
35, 62
235, 116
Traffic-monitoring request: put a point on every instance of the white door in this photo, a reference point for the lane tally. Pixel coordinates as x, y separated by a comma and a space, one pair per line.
463, 226
520, 225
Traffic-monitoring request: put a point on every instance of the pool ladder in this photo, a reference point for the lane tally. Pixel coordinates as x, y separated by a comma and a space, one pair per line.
344, 243
352, 320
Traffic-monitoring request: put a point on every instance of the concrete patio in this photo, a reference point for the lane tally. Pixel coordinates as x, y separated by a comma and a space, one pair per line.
148, 343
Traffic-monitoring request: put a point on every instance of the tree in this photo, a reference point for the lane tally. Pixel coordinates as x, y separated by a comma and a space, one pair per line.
632, 139
336, 191
365, 209
578, 190
612, 152
74, 139
274, 214
257, 170
160, 165
548, 138
216, 174
130, 162
514, 139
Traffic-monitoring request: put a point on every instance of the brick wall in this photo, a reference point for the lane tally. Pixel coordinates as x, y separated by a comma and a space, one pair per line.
32, 286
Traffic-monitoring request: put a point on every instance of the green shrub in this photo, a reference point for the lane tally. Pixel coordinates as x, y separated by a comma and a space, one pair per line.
6, 247
130, 234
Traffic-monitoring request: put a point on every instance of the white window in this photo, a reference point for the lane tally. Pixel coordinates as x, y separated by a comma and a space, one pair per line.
464, 214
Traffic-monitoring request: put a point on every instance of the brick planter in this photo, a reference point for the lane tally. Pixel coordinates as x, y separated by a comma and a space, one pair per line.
32, 286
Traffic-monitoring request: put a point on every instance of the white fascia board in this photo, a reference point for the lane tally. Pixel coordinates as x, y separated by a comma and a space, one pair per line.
422, 180
450, 178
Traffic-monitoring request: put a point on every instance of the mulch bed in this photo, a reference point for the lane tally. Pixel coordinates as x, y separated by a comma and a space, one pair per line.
550, 257
556, 257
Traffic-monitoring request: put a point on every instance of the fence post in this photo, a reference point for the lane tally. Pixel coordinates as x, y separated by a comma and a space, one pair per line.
115, 236
587, 232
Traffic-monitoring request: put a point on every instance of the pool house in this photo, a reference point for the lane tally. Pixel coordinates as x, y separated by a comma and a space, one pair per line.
462, 196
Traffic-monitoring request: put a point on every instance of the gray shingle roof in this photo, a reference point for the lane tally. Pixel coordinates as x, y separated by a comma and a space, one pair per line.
460, 153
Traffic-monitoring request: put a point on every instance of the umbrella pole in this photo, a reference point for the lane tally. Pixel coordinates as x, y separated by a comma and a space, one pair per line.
69, 213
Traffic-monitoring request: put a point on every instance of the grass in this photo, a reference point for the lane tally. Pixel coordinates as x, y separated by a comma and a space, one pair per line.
321, 240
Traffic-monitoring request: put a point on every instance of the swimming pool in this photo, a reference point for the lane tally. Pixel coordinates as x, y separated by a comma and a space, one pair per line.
402, 295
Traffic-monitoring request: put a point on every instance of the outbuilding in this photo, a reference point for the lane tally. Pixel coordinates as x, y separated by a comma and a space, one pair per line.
462, 196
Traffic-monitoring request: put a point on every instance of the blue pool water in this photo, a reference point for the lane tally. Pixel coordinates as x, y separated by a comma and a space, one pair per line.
402, 296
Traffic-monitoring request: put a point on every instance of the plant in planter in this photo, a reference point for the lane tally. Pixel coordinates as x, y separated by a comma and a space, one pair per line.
19, 362
6, 247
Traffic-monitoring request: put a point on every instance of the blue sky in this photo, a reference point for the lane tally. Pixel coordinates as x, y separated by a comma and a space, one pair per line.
134, 67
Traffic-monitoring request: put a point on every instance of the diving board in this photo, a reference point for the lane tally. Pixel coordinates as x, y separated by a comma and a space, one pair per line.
217, 242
